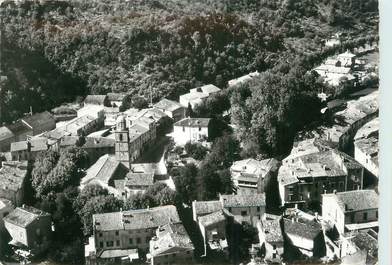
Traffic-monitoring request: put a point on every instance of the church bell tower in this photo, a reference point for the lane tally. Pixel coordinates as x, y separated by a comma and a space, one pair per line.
122, 142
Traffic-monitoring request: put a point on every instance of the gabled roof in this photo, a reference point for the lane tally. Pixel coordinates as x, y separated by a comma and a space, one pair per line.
205, 207
36, 145
119, 253
115, 96
193, 122
170, 238
248, 200
305, 229
272, 230
207, 89
136, 219
212, 218
5, 133
254, 167
168, 105
39, 120
12, 175
23, 216
139, 179
103, 170
95, 99
356, 200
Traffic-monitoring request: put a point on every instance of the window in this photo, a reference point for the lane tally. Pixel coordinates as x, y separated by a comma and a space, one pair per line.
258, 208
341, 185
174, 254
244, 213
109, 243
130, 241
183, 128
101, 244
100, 234
365, 216
377, 214
274, 247
229, 209
166, 256
120, 137
118, 242
138, 240
199, 128
116, 233
274, 255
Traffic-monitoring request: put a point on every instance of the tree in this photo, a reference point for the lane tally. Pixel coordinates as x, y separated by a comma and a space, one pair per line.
185, 182
95, 205
197, 151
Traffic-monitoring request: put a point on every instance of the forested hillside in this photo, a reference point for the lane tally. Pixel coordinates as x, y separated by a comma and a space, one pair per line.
55, 51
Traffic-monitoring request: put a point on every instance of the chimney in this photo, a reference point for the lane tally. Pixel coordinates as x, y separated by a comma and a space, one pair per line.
296, 206
316, 215
334, 191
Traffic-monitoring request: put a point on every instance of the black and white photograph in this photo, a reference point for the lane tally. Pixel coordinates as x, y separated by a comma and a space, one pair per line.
202, 132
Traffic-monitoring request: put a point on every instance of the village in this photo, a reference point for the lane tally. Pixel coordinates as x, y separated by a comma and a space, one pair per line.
318, 204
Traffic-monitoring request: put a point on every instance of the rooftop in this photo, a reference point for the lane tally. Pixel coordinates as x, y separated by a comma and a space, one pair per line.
243, 200
272, 230
139, 179
91, 142
170, 236
356, 200
254, 167
300, 228
5, 133
12, 175
193, 122
308, 146
95, 99
23, 216
40, 120
369, 146
153, 168
194, 96
369, 129
168, 105
118, 253
136, 219
78, 123
4, 203
207, 89
212, 218
205, 207
115, 96
103, 170
37, 144
243, 78
330, 163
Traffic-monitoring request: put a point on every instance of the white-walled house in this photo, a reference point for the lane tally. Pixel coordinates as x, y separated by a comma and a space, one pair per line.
191, 130
351, 210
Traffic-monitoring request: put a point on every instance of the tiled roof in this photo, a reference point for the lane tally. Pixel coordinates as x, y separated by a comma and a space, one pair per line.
119, 253
103, 170
369, 129
212, 218
37, 144
136, 219
91, 142
95, 99
139, 179
369, 146
12, 175
138, 129
115, 96
194, 96
168, 105
39, 120
78, 123
205, 207
243, 78
4, 203
5, 133
356, 200
170, 237
308, 146
321, 164
153, 168
18, 127
243, 200
193, 122
254, 167
272, 230
207, 89
306, 229
23, 216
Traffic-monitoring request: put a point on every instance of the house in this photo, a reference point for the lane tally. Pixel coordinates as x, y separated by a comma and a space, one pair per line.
171, 245
116, 99
193, 99
251, 175
366, 146
27, 150
359, 247
95, 111
191, 130
243, 79
213, 231
351, 210
271, 238
94, 146
350, 120
303, 237
306, 147
111, 115
13, 181
209, 89
134, 183
201, 208
245, 208
39, 122
6, 138
306, 178
126, 230
82, 126
104, 172
101, 100
25, 128
29, 228
171, 108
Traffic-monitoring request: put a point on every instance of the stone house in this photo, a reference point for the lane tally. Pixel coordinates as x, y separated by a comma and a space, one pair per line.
192, 130
13, 181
